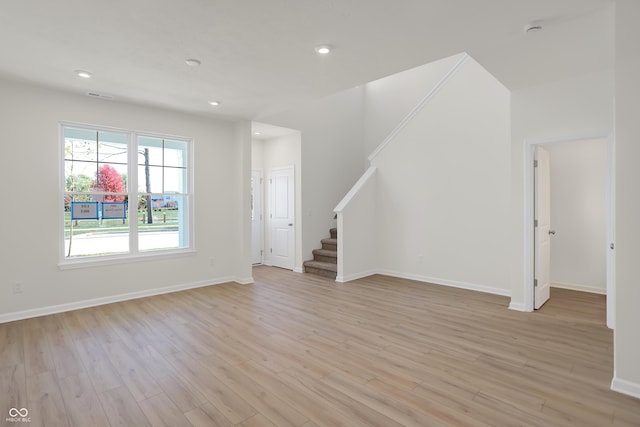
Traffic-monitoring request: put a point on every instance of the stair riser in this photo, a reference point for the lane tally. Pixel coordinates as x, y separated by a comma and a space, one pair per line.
329, 247
319, 272
322, 258
325, 260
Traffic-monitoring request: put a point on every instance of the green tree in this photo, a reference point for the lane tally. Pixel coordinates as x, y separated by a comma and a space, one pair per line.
78, 183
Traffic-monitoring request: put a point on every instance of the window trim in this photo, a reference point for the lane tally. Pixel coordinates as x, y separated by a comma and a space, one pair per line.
134, 255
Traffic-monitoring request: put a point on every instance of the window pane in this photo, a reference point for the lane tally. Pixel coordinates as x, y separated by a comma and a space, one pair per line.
151, 148
151, 182
80, 145
112, 147
93, 237
175, 153
166, 227
77, 168
175, 180
111, 178
79, 176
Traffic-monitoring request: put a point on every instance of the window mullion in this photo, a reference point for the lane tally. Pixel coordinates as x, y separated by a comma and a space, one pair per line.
163, 166
132, 191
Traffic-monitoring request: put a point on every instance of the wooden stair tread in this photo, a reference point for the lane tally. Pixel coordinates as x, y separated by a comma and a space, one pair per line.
322, 265
325, 253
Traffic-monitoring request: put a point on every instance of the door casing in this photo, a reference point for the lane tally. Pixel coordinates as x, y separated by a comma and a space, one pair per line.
257, 221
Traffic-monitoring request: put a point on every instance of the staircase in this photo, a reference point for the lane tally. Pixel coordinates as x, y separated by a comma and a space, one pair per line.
325, 260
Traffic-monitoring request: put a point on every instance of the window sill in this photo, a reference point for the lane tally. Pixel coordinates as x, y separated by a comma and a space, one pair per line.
70, 264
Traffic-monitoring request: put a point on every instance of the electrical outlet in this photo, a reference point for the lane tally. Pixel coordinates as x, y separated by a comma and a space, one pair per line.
17, 288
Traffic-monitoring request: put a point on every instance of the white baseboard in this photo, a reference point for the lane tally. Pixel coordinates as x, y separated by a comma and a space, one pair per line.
451, 283
298, 270
625, 387
517, 306
350, 277
42, 311
245, 281
419, 278
578, 287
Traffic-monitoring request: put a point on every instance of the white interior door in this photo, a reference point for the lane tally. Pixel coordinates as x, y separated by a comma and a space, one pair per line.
281, 217
257, 221
542, 203
611, 254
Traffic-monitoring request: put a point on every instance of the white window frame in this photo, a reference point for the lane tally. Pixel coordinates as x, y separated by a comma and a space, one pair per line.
134, 254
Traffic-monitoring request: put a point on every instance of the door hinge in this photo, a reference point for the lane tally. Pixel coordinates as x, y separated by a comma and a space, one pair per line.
535, 163
535, 283
270, 250
535, 222
260, 180
261, 252
270, 181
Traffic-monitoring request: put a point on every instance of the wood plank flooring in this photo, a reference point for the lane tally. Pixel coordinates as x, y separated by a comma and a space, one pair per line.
301, 350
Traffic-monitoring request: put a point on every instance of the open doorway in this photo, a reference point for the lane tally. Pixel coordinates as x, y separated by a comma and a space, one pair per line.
580, 229
276, 156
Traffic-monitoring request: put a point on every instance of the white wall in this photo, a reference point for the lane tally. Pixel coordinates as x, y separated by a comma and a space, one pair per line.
581, 106
331, 157
388, 100
257, 155
278, 152
243, 239
358, 230
443, 192
627, 107
579, 180
30, 117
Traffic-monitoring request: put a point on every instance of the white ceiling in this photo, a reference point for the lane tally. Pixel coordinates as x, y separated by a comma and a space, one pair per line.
258, 55
265, 131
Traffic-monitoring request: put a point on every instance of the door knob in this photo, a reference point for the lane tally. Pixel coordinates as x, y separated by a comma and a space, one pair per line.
290, 224
552, 232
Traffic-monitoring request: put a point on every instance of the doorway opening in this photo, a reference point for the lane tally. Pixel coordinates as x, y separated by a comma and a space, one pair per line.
580, 228
276, 170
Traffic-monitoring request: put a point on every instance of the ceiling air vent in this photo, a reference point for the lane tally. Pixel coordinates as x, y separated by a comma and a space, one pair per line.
100, 95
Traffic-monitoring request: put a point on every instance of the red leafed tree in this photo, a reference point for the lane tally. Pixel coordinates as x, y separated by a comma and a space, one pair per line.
110, 181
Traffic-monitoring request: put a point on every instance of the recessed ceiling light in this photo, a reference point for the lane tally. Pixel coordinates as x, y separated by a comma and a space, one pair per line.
193, 62
257, 133
214, 103
83, 74
323, 49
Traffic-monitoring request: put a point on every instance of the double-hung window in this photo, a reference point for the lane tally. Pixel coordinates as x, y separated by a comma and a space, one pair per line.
125, 194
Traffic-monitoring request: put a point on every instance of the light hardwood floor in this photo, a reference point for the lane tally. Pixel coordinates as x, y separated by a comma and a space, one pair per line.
300, 350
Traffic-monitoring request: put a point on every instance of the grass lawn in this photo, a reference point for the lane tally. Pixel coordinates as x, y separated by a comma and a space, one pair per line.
163, 220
